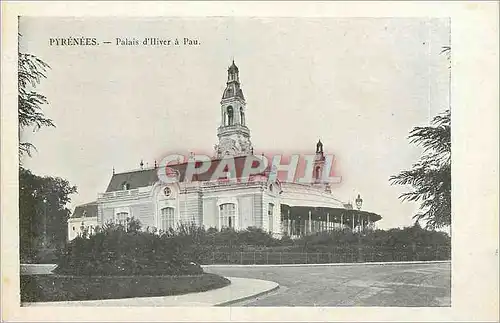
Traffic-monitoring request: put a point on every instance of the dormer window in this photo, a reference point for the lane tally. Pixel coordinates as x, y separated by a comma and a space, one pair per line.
125, 186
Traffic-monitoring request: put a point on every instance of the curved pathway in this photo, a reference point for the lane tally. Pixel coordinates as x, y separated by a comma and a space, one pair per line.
239, 289
427, 284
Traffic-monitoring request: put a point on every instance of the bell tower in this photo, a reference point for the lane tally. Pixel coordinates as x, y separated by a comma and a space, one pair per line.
233, 134
319, 162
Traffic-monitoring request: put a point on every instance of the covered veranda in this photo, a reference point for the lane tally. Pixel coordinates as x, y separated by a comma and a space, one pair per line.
299, 221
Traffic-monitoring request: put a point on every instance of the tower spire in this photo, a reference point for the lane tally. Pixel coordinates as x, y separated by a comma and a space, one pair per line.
319, 147
233, 76
234, 135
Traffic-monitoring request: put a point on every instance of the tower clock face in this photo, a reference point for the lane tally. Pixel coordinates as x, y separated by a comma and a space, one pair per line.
167, 191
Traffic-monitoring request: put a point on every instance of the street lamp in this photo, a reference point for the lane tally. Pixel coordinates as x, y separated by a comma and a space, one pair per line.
31, 220
45, 222
359, 202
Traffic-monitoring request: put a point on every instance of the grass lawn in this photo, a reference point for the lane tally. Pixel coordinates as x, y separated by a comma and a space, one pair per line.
46, 288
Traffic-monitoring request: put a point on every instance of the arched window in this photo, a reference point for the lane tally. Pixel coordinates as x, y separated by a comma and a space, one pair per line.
242, 116
167, 219
227, 215
125, 186
230, 116
122, 218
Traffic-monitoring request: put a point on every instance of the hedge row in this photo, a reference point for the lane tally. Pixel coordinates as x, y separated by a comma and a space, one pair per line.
46, 288
115, 250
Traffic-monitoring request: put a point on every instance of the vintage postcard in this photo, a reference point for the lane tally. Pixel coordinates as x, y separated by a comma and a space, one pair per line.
178, 162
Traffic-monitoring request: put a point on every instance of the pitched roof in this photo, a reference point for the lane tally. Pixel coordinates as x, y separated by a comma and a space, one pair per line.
134, 179
147, 177
87, 210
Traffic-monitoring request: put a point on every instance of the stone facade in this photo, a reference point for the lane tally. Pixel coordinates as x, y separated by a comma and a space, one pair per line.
194, 203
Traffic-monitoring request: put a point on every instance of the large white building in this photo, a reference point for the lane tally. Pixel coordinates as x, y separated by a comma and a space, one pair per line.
277, 207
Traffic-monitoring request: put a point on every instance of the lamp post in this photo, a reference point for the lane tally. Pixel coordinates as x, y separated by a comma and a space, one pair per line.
359, 203
32, 234
45, 222
185, 207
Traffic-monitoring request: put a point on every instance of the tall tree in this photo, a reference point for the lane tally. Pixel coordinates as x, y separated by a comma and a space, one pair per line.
31, 70
430, 177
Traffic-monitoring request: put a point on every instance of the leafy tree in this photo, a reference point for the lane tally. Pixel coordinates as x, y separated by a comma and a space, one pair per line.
430, 177
31, 70
42, 212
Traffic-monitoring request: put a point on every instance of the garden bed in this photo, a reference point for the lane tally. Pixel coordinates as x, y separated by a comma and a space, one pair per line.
47, 288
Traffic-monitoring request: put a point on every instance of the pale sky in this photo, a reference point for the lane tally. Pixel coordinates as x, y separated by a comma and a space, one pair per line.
358, 84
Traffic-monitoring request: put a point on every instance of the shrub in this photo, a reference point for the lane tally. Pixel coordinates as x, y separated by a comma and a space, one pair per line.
115, 250
43, 288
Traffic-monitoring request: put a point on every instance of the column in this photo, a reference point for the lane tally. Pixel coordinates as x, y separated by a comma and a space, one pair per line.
342, 221
353, 222
328, 222
289, 224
